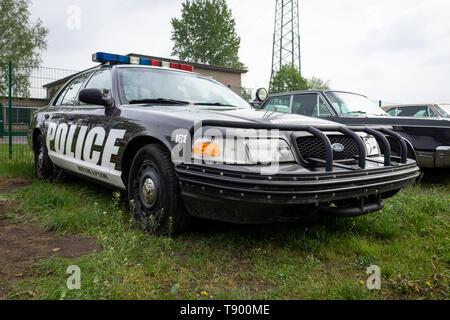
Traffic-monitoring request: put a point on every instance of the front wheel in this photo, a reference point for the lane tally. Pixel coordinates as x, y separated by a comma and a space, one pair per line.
154, 191
43, 165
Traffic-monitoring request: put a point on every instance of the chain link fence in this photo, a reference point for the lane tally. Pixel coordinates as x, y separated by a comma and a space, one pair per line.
16, 111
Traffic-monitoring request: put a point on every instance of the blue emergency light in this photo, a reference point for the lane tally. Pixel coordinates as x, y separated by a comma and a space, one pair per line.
103, 57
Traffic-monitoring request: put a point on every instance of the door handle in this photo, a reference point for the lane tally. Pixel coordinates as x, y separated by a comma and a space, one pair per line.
47, 116
70, 118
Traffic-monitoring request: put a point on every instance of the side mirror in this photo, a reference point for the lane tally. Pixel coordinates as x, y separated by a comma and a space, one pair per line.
94, 96
261, 94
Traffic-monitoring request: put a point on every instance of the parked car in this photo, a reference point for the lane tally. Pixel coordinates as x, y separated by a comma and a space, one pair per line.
184, 145
428, 139
441, 111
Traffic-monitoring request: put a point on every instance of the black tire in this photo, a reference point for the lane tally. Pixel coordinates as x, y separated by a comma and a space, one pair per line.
154, 192
44, 167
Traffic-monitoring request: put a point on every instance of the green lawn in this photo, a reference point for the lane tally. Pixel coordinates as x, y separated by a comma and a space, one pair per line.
322, 258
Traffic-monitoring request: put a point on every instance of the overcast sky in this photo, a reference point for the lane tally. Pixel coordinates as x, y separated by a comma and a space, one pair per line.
398, 51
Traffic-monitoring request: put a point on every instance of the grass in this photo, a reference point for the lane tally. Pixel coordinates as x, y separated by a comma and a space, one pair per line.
323, 258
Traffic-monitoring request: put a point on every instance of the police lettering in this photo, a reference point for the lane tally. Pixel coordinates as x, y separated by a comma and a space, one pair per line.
60, 140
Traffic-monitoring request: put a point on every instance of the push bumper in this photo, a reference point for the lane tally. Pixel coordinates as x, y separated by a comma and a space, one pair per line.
244, 196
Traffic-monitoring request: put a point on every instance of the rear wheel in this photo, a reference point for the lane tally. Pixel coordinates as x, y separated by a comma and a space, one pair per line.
44, 167
154, 191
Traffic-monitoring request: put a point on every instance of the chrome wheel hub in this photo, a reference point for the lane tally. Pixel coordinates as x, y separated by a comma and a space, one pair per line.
149, 190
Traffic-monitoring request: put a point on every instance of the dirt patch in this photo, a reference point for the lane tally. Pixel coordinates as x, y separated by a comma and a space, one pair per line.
23, 244
9, 185
5, 207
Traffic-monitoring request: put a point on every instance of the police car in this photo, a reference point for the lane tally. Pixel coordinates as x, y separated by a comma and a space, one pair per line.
182, 145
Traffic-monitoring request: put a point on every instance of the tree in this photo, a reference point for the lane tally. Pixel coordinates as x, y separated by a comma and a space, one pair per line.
21, 42
317, 83
288, 78
246, 94
206, 34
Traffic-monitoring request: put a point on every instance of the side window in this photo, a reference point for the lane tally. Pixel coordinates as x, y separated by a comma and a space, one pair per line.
101, 80
72, 90
61, 97
306, 105
323, 109
279, 104
68, 96
432, 113
392, 112
421, 113
413, 111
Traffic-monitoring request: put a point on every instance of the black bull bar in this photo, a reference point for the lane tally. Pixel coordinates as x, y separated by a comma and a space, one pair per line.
379, 133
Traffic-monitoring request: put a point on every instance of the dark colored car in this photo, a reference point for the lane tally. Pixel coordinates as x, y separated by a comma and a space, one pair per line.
440, 111
428, 139
184, 145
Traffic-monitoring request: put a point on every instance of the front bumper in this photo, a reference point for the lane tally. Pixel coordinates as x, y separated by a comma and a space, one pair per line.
440, 158
242, 195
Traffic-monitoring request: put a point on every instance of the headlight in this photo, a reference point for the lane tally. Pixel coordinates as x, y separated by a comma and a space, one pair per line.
372, 147
241, 150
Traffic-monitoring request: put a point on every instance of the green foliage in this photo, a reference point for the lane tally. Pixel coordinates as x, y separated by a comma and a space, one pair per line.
317, 83
21, 43
246, 94
288, 78
206, 34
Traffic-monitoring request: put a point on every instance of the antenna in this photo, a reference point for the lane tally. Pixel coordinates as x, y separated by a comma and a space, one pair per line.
286, 36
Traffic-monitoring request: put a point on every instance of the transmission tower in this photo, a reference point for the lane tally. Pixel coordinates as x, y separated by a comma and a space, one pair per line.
286, 36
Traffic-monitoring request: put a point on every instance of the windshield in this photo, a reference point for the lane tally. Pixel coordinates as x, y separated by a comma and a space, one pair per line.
350, 104
172, 87
445, 110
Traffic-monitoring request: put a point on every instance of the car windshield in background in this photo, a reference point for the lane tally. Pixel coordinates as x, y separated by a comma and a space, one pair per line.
349, 104
152, 86
445, 110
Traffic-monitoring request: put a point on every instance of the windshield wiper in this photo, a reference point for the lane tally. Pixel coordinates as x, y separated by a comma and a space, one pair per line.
213, 104
158, 100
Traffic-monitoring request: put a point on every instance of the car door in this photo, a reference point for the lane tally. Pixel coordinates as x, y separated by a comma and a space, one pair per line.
278, 104
56, 126
89, 133
310, 105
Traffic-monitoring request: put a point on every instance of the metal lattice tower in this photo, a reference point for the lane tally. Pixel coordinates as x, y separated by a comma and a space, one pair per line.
286, 36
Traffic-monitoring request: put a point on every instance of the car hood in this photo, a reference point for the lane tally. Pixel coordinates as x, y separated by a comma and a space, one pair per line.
193, 114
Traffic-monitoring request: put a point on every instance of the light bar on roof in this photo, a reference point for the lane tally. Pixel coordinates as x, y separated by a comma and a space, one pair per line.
103, 57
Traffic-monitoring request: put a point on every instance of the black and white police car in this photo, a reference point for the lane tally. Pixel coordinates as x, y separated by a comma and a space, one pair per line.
181, 145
